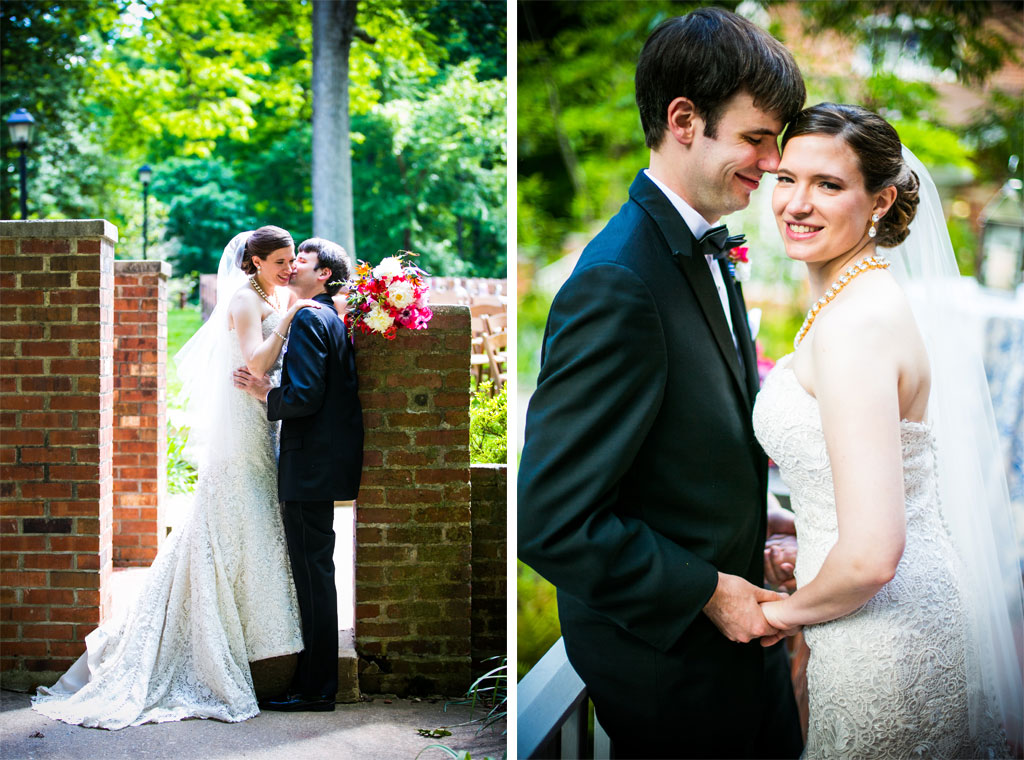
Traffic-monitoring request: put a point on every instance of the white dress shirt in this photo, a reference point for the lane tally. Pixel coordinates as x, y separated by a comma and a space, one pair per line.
698, 226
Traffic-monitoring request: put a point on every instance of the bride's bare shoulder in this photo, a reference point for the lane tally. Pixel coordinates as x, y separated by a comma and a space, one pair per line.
872, 307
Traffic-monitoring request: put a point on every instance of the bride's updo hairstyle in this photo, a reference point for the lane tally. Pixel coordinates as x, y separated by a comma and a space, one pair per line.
261, 244
879, 154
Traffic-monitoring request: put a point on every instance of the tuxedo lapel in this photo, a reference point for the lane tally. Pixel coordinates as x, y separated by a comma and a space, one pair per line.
683, 247
741, 326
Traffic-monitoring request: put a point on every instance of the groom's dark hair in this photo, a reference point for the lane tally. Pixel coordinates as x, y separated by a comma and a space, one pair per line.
329, 256
709, 56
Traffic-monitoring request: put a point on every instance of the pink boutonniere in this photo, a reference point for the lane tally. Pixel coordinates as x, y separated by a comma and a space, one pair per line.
739, 264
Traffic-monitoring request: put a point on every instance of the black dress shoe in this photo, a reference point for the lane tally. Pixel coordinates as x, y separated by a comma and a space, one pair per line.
297, 703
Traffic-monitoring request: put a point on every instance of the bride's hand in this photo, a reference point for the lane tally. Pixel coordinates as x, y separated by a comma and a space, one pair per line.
303, 303
773, 613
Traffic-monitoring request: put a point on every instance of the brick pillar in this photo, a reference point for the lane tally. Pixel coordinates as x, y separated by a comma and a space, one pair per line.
140, 409
413, 533
56, 434
490, 484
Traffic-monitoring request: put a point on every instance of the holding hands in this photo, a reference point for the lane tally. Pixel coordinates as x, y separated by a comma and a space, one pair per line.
780, 547
735, 609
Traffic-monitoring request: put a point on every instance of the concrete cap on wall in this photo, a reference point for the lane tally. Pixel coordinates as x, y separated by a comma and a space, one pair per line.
59, 228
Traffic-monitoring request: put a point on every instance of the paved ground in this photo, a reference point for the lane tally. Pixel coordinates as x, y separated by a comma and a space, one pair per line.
366, 731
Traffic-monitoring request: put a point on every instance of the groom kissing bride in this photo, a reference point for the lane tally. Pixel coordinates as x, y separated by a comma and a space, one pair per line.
320, 462
643, 485
220, 593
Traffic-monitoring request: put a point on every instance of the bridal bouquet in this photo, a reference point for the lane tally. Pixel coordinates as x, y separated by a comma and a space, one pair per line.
390, 295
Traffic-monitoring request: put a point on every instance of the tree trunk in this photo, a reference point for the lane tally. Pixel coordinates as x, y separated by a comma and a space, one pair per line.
334, 23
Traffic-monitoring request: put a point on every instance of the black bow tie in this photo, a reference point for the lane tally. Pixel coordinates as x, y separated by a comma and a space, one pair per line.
717, 242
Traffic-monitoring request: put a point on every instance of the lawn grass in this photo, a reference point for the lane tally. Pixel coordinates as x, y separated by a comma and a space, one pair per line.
181, 325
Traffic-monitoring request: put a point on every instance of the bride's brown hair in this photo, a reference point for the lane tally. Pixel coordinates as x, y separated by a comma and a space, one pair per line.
260, 244
879, 155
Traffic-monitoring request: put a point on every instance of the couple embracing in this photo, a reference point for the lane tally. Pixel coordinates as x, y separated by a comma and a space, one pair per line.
643, 479
249, 573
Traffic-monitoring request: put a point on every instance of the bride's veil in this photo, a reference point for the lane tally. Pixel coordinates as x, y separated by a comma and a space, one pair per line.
204, 366
972, 482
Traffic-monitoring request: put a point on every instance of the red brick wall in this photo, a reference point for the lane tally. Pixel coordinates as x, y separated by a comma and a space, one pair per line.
56, 435
140, 409
413, 532
489, 565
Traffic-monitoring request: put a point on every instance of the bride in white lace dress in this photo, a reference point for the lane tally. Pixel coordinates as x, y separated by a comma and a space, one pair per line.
220, 593
907, 657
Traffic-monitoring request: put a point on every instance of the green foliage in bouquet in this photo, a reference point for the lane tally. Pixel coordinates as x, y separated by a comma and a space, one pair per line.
488, 428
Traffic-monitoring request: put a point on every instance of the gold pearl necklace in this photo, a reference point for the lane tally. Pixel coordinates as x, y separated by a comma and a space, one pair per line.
275, 304
868, 262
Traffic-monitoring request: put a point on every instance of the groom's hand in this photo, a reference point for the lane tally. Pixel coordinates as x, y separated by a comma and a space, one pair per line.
257, 387
735, 609
780, 561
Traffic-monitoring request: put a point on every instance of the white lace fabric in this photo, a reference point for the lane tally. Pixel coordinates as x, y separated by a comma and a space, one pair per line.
218, 596
892, 679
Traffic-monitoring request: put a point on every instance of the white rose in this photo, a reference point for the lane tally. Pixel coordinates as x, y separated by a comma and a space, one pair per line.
389, 268
742, 271
377, 319
400, 294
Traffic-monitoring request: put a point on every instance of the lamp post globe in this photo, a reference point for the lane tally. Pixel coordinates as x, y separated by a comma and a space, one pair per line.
145, 176
20, 125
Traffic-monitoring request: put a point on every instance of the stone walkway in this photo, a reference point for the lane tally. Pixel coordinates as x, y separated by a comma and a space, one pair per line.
366, 731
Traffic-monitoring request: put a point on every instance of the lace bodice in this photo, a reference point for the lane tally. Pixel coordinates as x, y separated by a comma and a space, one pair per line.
889, 680
218, 596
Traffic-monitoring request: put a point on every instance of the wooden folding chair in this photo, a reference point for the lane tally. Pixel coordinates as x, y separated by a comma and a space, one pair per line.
496, 345
495, 323
478, 359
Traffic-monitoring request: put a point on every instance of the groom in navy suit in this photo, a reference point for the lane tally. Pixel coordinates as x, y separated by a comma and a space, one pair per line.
642, 490
320, 463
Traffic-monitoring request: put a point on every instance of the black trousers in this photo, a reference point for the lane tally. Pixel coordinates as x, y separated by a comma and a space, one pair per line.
309, 529
706, 697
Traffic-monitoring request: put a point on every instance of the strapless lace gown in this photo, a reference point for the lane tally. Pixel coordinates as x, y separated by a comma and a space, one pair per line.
889, 680
218, 596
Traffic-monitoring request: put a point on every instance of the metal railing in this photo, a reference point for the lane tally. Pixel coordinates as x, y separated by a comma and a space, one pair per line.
553, 709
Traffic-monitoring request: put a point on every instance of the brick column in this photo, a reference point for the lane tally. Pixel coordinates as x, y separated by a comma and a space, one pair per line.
490, 483
140, 409
56, 434
413, 533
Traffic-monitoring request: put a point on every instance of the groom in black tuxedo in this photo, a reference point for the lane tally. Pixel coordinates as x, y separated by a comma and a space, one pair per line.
320, 463
642, 490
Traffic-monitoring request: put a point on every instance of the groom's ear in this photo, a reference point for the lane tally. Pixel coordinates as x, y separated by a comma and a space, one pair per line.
682, 120
324, 274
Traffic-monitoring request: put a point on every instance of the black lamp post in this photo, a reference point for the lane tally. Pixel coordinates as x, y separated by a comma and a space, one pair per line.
145, 175
20, 125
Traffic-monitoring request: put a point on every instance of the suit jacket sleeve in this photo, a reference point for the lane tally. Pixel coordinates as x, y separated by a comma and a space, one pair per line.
601, 385
304, 379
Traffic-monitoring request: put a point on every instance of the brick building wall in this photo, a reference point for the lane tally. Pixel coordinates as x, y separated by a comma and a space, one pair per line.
412, 519
490, 588
56, 436
140, 409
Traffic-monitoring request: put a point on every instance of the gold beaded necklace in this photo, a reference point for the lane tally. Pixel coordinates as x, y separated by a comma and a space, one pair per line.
868, 262
275, 304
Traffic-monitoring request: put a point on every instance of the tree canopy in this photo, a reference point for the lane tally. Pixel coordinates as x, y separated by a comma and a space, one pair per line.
216, 97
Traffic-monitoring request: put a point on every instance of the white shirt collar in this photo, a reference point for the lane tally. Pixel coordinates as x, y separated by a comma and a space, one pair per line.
698, 224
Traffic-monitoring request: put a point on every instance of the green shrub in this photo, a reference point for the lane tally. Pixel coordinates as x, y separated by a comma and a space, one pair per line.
537, 626
488, 428
181, 475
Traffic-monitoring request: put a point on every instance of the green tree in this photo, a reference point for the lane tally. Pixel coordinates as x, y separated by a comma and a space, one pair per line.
47, 48
432, 172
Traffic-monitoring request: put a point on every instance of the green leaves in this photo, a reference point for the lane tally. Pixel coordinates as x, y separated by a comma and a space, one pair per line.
488, 428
